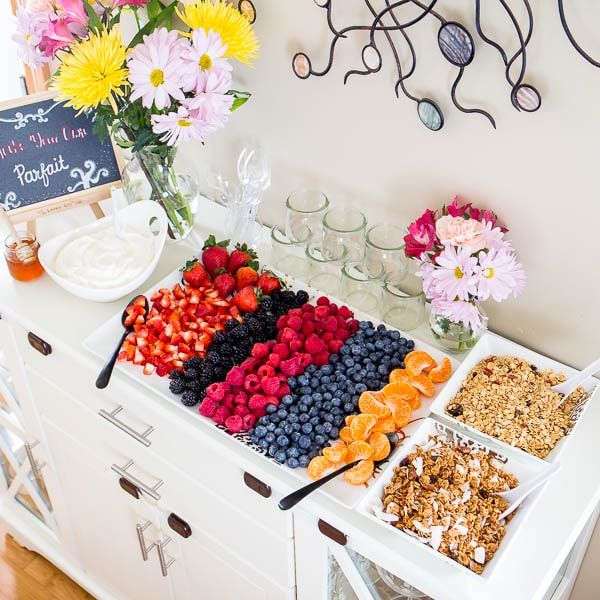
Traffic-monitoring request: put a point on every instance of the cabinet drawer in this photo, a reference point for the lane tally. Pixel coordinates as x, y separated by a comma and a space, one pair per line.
222, 506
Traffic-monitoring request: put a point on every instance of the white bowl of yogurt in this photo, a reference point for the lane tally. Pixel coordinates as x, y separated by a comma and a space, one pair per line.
106, 260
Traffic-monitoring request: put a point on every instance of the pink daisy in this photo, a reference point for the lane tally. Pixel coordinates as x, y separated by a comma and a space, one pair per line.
156, 69
178, 127
454, 276
425, 272
459, 311
499, 275
494, 236
28, 35
203, 57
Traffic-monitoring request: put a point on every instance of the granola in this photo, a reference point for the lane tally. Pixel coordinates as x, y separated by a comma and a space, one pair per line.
511, 400
445, 495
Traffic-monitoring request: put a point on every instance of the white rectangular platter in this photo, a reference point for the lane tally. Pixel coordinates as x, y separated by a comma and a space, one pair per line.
489, 345
101, 343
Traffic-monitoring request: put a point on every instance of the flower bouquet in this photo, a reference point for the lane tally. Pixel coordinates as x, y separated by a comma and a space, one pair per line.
465, 259
164, 87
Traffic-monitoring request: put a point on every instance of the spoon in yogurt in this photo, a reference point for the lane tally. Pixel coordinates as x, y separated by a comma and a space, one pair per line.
136, 307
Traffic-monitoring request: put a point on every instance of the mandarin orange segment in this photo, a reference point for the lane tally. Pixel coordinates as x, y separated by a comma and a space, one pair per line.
358, 451
346, 434
424, 384
361, 473
418, 361
336, 453
442, 372
400, 410
348, 420
380, 444
361, 426
318, 467
399, 375
369, 403
403, 390
385, 425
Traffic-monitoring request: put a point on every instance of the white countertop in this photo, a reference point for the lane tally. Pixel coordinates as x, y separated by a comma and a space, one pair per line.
539, 548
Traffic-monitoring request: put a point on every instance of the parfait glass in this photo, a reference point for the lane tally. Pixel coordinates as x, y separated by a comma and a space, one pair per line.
344, 235
304, 219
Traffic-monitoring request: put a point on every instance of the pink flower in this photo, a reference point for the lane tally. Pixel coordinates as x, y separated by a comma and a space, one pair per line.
457, 231
203, 57
38, 7
421, 235
425, 272
156, 69
28, 35
456, 209
73, 9
454, 277
178, 127
459, 311
499, 275
129, 3
57, 35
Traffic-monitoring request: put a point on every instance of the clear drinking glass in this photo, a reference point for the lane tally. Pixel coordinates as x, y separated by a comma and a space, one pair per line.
384, 253
344, 235
287, 256
322, 274
359, 290
304, 219
404, 304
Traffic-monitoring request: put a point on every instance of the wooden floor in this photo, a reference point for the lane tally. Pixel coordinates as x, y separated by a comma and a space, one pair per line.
25, 575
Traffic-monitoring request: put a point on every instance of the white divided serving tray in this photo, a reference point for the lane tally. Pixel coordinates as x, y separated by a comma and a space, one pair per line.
493, 345
522, 465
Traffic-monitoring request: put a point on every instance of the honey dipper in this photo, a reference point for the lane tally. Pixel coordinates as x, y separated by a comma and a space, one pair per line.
22, 249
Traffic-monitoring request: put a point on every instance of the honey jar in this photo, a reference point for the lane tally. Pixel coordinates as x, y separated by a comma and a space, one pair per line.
21, 256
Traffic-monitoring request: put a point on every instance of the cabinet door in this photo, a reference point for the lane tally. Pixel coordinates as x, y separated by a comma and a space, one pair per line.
104, 519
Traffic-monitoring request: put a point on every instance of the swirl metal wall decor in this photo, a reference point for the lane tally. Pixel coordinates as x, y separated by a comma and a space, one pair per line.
455, 43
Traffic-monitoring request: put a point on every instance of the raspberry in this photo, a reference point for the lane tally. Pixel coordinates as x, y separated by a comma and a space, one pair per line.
327, 337
208, 407
228, 401
281, 349
260, 350
273, 400
221, 415
282, 322
257, 402
241, 410
305, 360
308, 308
295, 346
333, 308
342, 322
217, 391
291, 367
308, 327
235, 376
344, 312
295, 312
323, 301
265, 372
248, 422
234, 424
342, 335
274, 360
314, 344
240, 398
330, 324
335, 346
353, 325
284, 390
321, 312
251, 384
287, 335
322, 358
249, 364
270, 386
295, 323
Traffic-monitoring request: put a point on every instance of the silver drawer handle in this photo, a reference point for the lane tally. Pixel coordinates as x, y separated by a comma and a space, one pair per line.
140, 535
164, 565
149, 491
111, 417
36, 468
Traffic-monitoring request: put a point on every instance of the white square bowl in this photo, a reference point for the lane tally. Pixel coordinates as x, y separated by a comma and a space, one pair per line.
490, 345
522, 465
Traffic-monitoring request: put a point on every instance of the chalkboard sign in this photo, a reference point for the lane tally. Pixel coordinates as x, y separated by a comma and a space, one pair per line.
50, 159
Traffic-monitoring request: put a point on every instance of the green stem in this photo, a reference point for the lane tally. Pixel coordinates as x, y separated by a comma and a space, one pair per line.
137, 18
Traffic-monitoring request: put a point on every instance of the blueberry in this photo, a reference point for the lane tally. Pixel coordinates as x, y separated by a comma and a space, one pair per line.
274, 418
280, 456
345, 350
311, 369
295, 437
334, 359
357, 377
410, 344
365, 325
254, 439
263, 445
305, 442
328, 418
271, 408
293, 463
305, 389
382, 370
361, 387
296, 426
336, 411
325, 379
348, 362
327, 369
303, 408
292, 452
283, 441
314, 384
317, 397
303, 380
336, 402
292, 382
272, 450
293, 418
278, 431
312, 453
270, 437
395, 335
320, 428
287, 400
303, 418
395, 363
260, 431
320, 439
270, 426
334, 434
349, 407
327, 427
327, 396
307, 428
303, 461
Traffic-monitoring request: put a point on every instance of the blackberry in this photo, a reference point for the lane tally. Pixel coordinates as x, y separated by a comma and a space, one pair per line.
195, 385
266, 303
219, 337
231, 325
190, 373
177, 386
193, 363
213, 358
189, 398
255, 327
302, 297
176, 375
288, 297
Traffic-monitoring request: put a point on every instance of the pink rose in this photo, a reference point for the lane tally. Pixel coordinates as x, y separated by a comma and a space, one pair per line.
457, 231
456, 209
421, 235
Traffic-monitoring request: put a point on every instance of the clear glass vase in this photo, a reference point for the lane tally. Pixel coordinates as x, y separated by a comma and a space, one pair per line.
150, 175
456, 337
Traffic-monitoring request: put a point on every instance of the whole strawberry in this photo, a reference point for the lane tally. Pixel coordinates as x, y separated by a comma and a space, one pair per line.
215, 255
224, 283
195, 274
247, 299
268, 283
244, 277
240, 257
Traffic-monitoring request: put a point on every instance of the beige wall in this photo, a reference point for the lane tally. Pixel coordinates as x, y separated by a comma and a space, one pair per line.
366, 148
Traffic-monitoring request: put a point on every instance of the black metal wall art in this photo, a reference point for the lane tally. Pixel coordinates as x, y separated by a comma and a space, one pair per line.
454, 41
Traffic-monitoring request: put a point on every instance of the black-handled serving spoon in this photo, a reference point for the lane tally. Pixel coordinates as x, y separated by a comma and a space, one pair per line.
292, 499
107, 369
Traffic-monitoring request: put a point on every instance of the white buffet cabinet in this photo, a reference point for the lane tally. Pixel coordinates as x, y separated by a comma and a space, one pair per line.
205, 522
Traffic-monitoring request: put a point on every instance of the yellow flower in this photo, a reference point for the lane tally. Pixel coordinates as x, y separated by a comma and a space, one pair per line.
93, 71
234, 28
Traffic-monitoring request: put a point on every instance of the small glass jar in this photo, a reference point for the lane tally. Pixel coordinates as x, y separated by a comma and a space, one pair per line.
384, 253
22, 257
304, 219
404, 304
344, 235
322, 274
456, 337
287, 256
359, 290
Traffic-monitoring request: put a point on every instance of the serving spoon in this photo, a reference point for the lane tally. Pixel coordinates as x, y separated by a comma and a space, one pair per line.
570, 385
292, 499
107, 369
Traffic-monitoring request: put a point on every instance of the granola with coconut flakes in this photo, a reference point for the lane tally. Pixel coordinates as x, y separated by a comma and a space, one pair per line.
445, 495
511, 400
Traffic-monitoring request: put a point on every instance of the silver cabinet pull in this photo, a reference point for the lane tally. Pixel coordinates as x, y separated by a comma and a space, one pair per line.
36, 468
164, 565
111, 417
146, 489
140, 535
